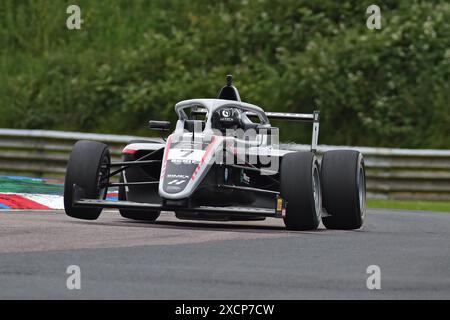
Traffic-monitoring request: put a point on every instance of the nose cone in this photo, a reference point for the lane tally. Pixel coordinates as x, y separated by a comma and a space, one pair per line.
184, 167
177, 176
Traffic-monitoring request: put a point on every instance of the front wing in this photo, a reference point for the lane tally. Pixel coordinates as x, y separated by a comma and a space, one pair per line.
80, 202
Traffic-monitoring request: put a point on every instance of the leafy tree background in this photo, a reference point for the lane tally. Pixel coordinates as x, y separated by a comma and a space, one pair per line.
133, 60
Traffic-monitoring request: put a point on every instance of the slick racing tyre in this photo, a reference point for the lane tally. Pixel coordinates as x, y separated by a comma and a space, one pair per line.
343, 189
88, 168
133, 214
300, 188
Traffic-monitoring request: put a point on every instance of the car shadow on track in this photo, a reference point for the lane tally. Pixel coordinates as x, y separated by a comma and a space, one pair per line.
214, 226
205, 225
210, 226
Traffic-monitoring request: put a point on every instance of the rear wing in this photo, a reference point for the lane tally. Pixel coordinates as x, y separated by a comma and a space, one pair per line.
306, 117
313, 118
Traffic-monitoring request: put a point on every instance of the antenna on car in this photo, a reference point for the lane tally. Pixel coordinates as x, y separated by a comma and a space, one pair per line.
229, 92
229, 80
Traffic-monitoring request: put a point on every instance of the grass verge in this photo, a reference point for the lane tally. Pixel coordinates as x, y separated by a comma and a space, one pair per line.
440, 206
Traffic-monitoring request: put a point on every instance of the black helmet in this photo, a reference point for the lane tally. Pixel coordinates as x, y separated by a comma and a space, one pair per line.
226, 118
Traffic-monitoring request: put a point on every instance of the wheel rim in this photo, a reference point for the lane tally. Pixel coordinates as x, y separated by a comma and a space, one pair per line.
362, 190
317, 191
103, 179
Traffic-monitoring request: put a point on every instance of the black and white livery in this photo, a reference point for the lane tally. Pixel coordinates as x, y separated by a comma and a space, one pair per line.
222, 162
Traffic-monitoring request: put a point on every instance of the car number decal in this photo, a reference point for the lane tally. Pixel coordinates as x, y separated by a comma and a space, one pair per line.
186, 154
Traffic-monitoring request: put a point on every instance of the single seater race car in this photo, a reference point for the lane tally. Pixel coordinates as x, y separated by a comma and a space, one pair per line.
222, 163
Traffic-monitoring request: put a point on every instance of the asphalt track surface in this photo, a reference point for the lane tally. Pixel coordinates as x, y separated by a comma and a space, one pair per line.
174, 259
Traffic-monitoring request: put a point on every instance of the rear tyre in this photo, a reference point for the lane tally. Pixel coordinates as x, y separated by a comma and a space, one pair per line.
343, 189
88, 168
300, 188
132, 214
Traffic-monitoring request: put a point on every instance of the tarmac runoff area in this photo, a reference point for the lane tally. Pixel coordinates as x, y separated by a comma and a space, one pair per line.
175, 259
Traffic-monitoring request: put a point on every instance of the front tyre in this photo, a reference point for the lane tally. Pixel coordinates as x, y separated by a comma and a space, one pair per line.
301, 189
343, 189
88, 168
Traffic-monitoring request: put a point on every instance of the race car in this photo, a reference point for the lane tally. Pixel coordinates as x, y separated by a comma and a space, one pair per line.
222, 163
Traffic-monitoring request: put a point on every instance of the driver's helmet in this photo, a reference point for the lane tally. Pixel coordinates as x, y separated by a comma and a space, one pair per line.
226, 118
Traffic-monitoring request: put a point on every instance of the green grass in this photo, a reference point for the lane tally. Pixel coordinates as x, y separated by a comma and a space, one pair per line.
133, 60
440, 206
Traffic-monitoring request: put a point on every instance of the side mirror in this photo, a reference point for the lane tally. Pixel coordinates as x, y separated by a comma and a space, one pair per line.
159, 125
